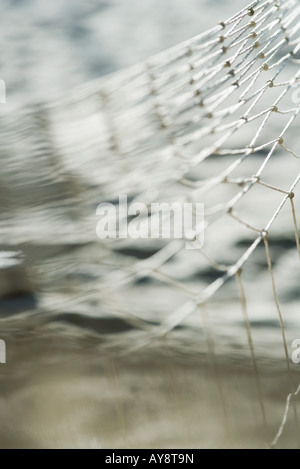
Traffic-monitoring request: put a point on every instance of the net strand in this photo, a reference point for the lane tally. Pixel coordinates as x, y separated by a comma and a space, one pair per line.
210, 342
285, 417
282, 326
253, 355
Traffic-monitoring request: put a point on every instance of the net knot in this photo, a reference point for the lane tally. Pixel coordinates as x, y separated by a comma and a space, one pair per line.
264, 234
280, 141
265, 67
222, 39
227, 64
222, 24
252, 24
274, 109
163, 125
292, 195
251, 12
151, 75
256, 45
271, 84
153, 90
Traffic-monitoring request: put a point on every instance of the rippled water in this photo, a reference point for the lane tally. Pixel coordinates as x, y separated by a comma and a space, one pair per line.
50, 48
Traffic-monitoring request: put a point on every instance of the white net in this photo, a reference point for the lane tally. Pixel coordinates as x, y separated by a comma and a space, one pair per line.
211, 121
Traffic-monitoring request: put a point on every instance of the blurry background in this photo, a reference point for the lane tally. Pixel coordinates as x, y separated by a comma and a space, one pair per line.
50, 47
68, 381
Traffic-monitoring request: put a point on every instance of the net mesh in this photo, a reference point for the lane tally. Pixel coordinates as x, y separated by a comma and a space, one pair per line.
212, 120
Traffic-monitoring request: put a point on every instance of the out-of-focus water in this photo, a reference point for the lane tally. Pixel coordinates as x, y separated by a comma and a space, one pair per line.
48, 48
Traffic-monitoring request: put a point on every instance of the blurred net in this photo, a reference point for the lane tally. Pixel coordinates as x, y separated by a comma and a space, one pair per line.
212, 120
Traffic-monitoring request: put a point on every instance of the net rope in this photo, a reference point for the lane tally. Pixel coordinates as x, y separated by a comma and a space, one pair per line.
210, 120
